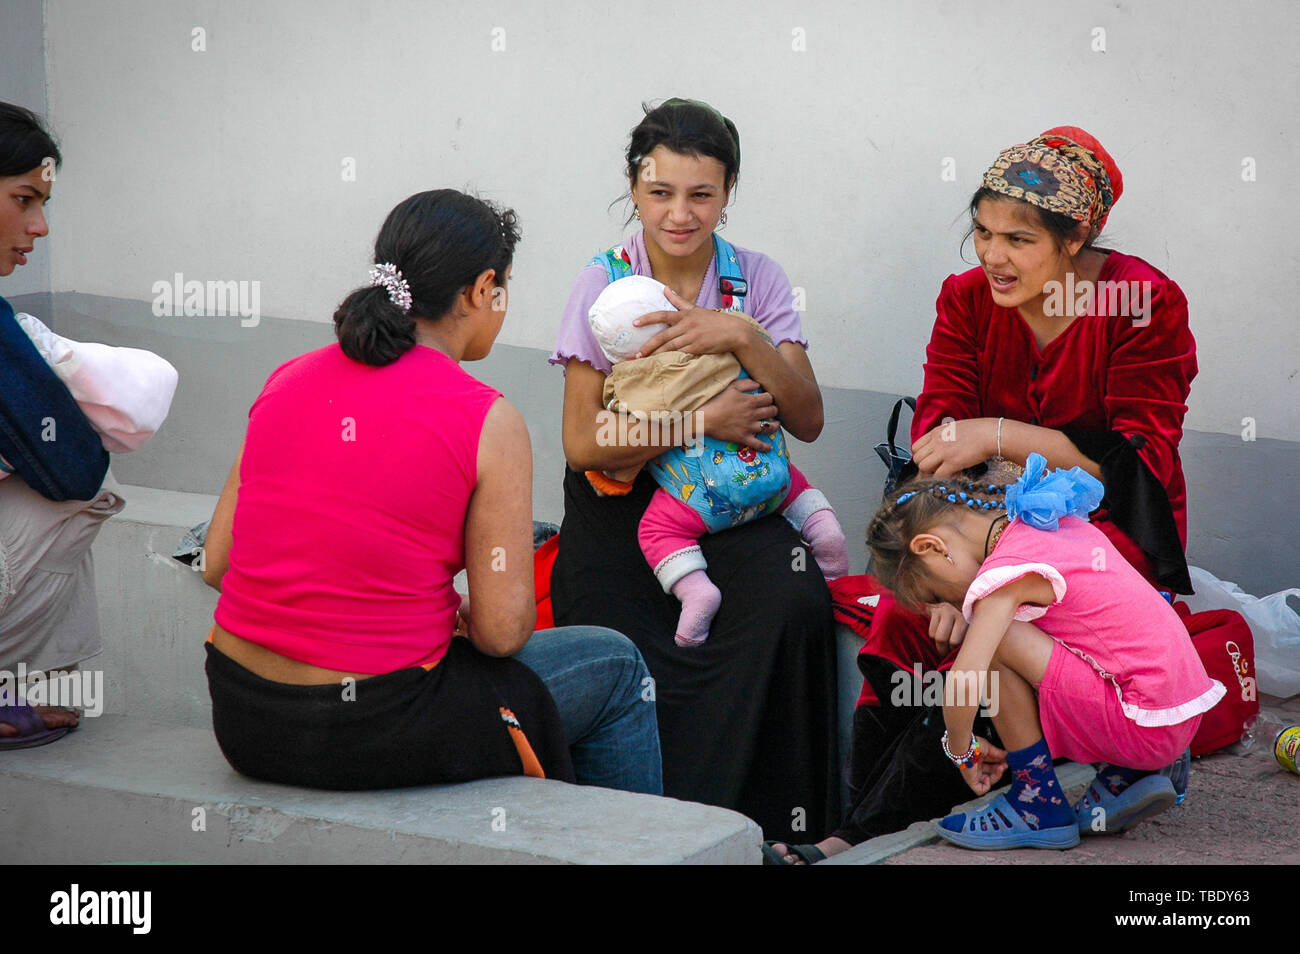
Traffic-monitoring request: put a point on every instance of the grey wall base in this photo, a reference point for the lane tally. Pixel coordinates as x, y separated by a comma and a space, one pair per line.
1242, 515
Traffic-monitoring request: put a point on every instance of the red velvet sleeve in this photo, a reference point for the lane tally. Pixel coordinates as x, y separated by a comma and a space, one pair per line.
951, 387
1150, 376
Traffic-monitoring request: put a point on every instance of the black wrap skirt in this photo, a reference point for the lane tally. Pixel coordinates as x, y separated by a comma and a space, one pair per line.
748, 719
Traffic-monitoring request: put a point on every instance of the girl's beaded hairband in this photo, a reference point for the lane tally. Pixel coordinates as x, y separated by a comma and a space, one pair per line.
1039, 498
957, 496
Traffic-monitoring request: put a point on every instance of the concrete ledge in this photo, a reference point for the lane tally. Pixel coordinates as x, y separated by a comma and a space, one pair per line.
127, 790
165, 508
875, 850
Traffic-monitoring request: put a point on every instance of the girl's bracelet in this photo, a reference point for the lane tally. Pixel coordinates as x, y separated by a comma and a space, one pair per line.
971, 757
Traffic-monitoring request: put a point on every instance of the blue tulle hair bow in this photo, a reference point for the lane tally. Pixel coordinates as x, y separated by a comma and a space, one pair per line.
1041, 499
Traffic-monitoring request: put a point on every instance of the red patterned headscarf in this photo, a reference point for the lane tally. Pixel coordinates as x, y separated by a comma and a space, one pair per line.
1064, 170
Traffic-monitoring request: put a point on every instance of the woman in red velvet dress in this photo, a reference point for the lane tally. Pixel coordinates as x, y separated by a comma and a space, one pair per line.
1052, 345
1082, 354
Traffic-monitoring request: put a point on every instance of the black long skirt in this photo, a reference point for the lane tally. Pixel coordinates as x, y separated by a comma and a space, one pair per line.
747, 720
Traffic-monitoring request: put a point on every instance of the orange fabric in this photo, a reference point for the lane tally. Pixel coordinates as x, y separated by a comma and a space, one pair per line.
608, 485
532, 767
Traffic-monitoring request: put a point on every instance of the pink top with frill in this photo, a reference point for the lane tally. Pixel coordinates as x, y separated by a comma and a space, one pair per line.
1107, 614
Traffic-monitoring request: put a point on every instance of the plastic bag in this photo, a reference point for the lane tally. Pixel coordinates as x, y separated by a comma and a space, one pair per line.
190, 550
1273, 622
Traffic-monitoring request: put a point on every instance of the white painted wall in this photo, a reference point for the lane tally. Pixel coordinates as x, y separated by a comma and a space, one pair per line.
226, 164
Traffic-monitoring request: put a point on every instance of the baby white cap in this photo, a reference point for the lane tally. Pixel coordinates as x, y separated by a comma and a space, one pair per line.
621, 303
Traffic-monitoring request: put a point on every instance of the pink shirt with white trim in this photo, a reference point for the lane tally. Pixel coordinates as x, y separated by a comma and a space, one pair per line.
1107, 614
350, 522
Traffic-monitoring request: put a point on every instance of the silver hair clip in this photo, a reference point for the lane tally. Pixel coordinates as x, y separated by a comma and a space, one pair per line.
399, 292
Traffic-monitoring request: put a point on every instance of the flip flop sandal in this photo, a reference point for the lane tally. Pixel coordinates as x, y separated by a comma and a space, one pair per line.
1148, 796
810, 854
998, 826
31, 727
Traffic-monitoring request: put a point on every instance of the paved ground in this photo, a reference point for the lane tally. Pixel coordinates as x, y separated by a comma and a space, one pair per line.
1239, 810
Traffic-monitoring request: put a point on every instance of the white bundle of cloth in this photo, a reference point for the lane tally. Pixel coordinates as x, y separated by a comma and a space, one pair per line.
125, 393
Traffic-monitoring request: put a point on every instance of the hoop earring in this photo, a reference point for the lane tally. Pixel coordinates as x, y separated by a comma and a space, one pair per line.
949, 558
723, 219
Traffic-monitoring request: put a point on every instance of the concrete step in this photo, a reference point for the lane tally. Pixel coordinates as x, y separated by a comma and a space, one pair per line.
120, 789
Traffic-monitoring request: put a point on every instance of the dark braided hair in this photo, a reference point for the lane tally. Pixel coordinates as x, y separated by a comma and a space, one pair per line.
924, 503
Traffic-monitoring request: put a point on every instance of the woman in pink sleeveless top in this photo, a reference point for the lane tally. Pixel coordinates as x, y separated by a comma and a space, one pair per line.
373, 471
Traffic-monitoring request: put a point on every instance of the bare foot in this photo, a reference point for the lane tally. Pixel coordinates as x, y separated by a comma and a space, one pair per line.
54, 717
830, 846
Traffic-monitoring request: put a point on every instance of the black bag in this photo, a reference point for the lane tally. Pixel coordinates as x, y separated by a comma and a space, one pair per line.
44, 436
897, 460
898, 774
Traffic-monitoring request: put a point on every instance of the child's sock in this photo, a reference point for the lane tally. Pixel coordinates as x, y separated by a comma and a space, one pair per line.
1116, 778
826, 537
700, 602
1035, 792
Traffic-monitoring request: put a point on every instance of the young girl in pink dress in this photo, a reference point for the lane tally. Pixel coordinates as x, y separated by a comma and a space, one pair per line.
1109, 677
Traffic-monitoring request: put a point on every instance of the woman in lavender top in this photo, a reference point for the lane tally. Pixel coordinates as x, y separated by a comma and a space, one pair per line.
747, 720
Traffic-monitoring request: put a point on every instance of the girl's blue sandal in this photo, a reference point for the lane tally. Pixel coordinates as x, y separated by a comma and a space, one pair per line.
1101, 813
998, 826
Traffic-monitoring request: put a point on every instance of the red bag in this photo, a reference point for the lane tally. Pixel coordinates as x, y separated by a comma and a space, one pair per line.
543, 561
1227, 649
891, 632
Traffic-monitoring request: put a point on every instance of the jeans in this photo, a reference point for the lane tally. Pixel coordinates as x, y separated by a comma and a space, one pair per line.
605, 696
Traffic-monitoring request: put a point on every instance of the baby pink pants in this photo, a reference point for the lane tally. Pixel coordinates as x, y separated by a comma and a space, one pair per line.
670, 529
